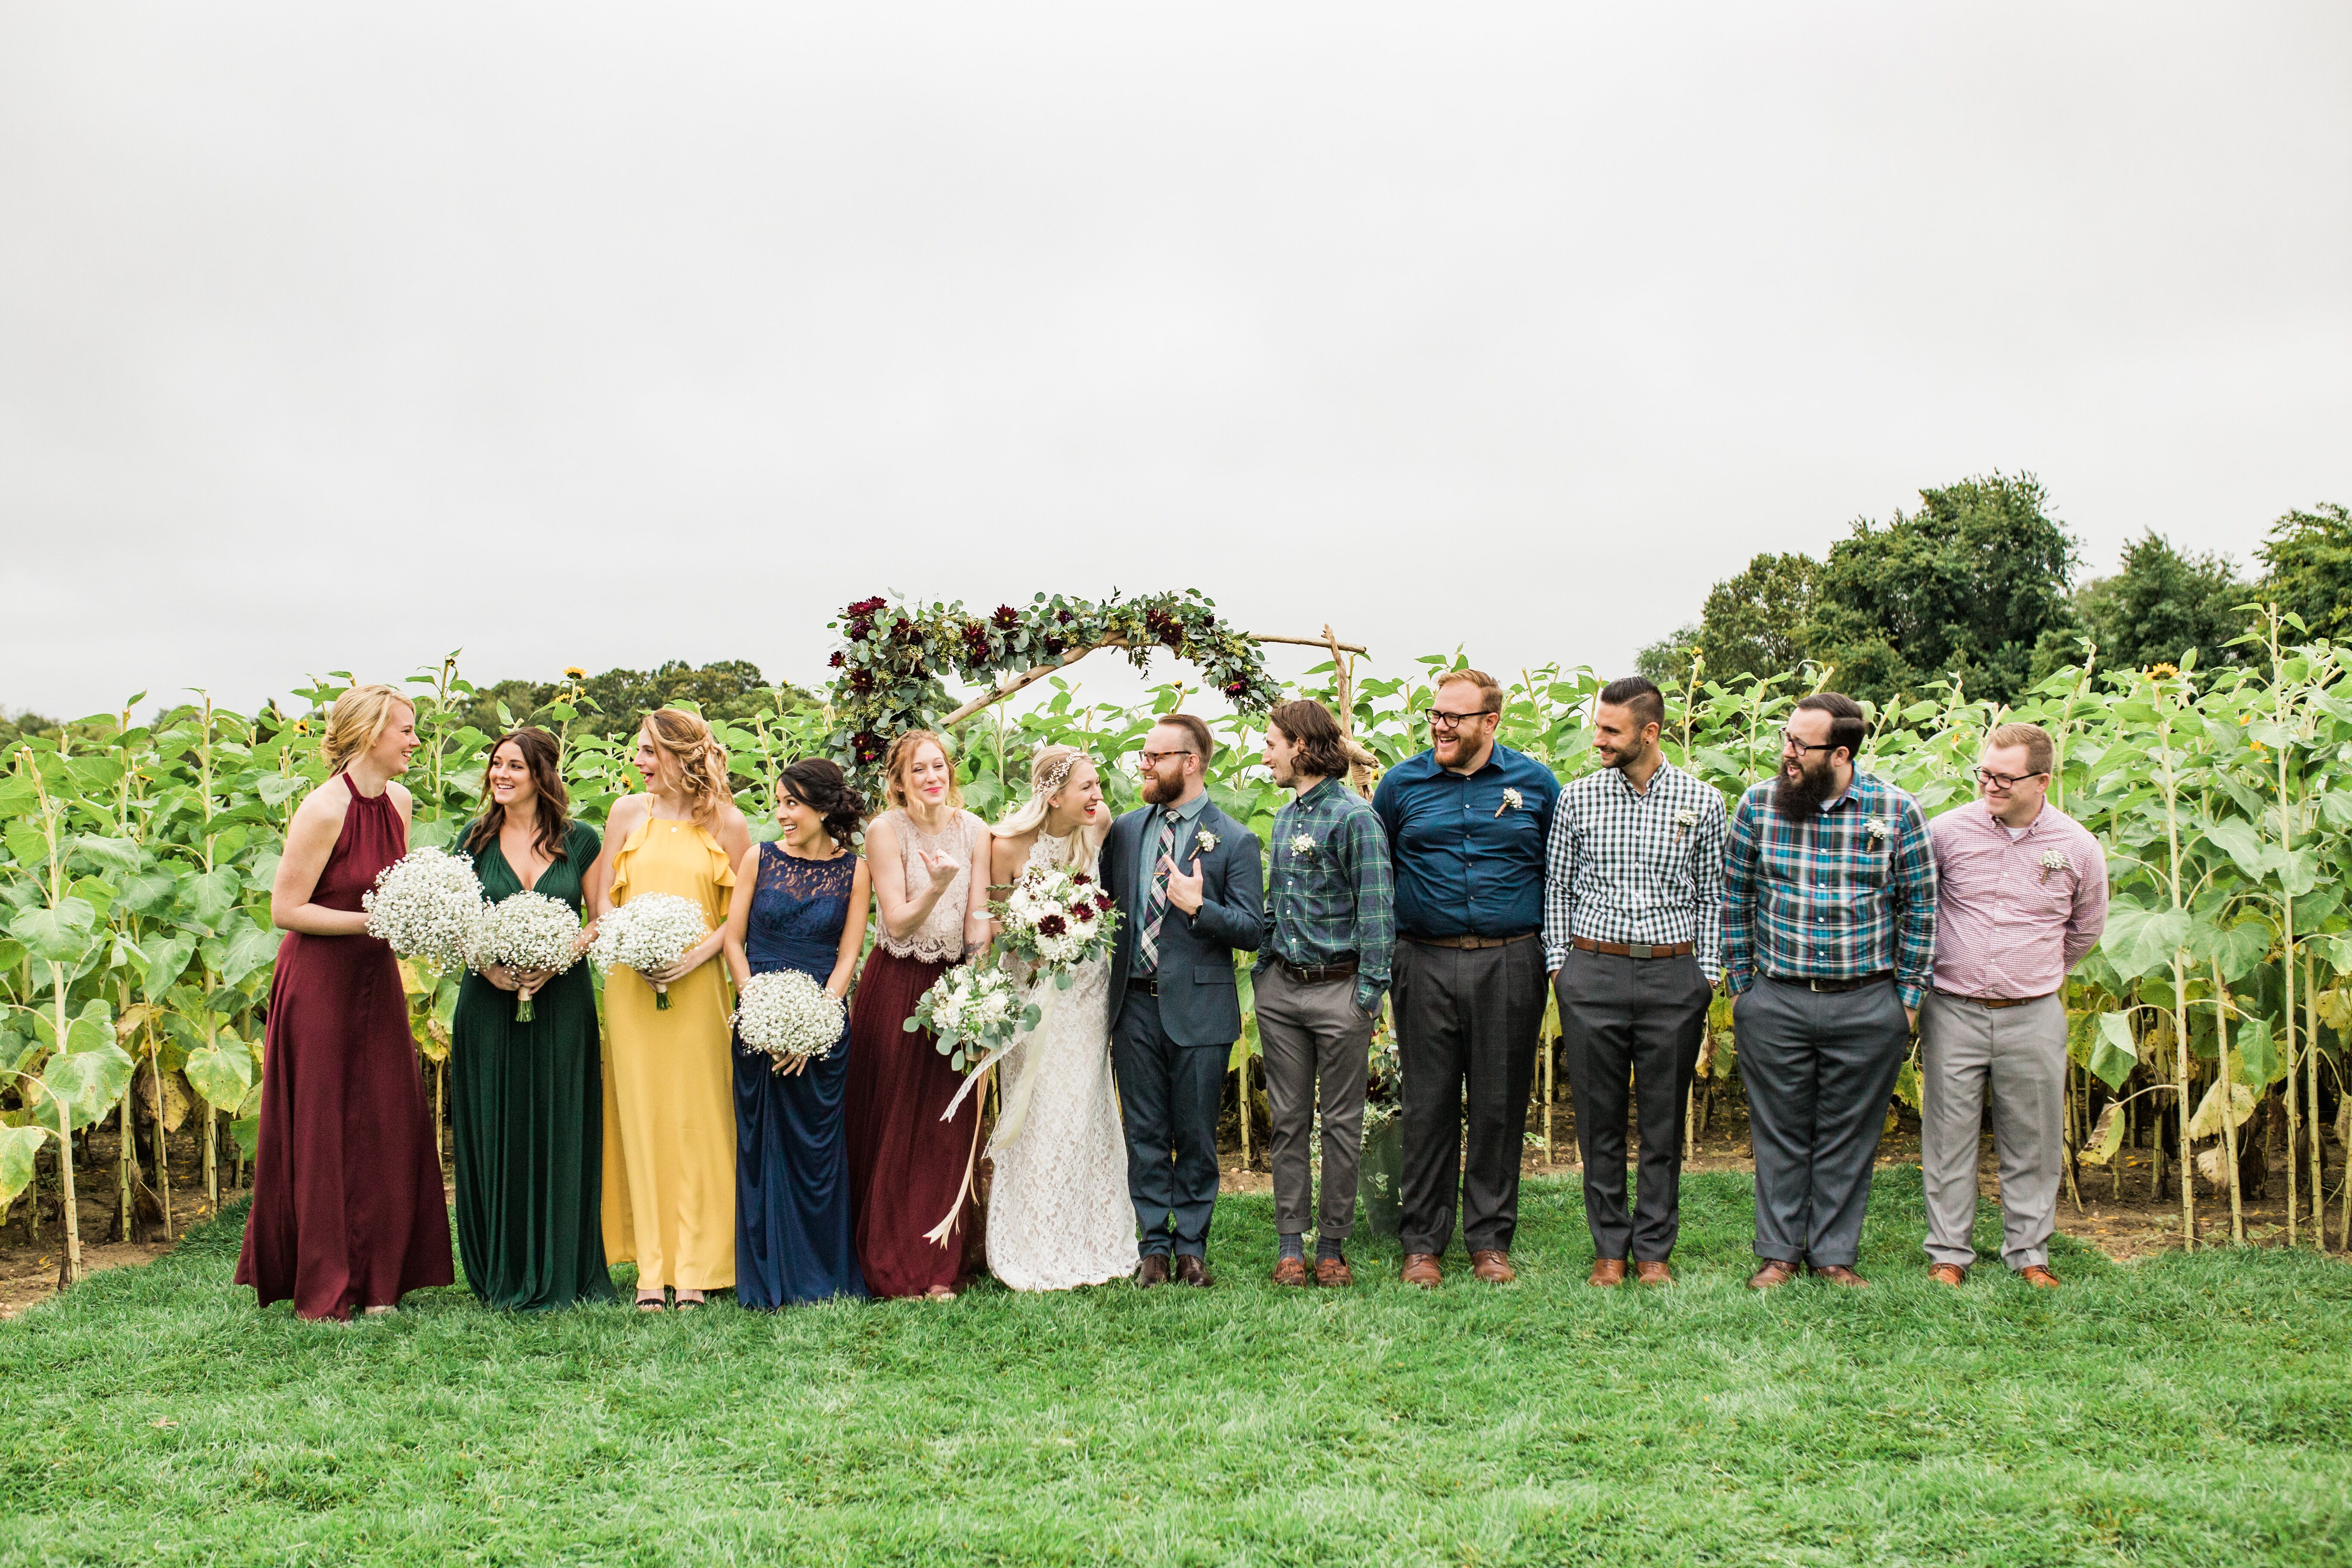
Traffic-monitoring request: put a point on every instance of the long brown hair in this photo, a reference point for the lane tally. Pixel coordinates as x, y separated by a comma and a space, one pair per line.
544, 758
901, 756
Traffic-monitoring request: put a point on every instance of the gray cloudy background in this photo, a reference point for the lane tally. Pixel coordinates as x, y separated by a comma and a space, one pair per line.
583, 334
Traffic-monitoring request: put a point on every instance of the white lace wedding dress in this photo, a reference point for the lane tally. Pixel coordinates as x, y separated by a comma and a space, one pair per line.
1059, 1215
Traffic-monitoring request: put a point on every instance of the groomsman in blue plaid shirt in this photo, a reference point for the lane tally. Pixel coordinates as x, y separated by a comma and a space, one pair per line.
1632, 938
1829, 930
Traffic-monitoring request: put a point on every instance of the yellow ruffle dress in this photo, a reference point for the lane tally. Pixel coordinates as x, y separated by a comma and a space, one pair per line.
669, 1095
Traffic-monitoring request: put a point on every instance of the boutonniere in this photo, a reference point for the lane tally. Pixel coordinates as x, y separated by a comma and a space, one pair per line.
1684, 820
1302, 845
2053, 860
1512, 800
1204, 842
1880, 829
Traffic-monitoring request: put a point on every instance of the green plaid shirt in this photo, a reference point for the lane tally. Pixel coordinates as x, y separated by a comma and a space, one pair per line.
1331, 892
1851, 893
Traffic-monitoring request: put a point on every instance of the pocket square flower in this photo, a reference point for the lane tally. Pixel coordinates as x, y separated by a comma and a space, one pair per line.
1512, 800
2053, 860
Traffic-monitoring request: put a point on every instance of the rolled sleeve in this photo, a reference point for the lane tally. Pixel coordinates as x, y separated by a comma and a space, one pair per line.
1738, 924
1559, 885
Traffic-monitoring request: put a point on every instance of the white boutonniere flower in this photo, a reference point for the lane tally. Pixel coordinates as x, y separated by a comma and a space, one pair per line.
1302, 845
1204, 842
2053, 860
1684, 820
1512, 800
1880, 829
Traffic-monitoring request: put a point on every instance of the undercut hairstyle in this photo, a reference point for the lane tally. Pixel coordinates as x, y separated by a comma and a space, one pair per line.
1848, 727
1199, 733
544, 758
1322, 750
823, 788
1490, 691
1638, 697
2040, 750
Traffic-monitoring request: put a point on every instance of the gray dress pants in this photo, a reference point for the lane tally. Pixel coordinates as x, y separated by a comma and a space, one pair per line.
1314, 1037
1642, 1018
2021, 1054
1820, 1067
1466, 1025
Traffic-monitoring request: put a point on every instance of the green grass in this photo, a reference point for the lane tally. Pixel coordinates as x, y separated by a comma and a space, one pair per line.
2182, 1410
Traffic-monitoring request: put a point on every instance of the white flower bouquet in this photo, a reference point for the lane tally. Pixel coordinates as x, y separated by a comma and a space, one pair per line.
524, 930
1056, 920
652, 930
787, 1016
423, 905
974, 1009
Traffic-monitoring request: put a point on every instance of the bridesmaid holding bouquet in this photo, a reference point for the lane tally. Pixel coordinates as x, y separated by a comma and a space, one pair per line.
527, 1101
669, 1114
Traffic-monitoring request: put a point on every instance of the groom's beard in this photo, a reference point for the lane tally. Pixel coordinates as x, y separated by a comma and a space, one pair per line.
1800, 799
1158, 791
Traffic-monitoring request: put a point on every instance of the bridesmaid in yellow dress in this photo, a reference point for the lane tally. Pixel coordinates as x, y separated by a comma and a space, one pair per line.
669, 1091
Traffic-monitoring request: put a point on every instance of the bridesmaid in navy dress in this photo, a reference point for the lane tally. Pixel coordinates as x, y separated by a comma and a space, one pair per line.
807, 911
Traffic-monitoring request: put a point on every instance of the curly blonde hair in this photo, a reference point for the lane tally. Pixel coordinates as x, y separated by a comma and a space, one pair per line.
701, 760
901, 756
357, 721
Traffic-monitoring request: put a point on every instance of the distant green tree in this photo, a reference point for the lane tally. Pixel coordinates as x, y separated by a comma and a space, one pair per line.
2161, 604
23, 724
1667, 661
2309, 558
728, 689
1760, 622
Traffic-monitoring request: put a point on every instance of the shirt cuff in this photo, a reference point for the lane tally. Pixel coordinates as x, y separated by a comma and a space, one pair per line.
1911, 991
1738, 980
1368, 993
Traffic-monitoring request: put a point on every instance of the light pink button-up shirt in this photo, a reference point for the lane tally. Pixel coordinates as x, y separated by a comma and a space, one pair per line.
2012, 916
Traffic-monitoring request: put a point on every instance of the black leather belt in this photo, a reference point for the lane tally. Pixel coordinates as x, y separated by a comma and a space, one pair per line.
1148, 984
1883, 977
1467, 941
1989, 1001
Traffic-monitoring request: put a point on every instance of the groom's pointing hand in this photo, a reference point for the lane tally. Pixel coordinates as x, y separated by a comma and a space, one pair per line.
1183, 890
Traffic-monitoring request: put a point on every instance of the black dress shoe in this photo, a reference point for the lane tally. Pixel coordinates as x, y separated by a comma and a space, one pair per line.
1153, 1270
1191, 1270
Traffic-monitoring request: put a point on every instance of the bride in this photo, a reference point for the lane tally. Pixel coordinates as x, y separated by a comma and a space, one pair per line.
1059, 1215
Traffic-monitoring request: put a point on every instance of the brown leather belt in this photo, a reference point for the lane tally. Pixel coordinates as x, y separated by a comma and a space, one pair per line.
1467, 941
1633, 949
1318, 974
1993, 1001
1883, 977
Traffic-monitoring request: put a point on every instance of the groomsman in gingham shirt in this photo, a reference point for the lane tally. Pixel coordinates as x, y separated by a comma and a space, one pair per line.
1634, 940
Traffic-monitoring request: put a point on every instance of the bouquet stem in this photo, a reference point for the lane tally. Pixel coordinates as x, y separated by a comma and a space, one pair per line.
523, 1007
661, 998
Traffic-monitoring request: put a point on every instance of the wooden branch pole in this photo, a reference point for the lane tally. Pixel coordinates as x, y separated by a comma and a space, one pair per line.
1030, 676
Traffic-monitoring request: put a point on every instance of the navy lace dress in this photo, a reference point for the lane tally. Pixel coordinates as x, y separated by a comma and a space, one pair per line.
793, 1237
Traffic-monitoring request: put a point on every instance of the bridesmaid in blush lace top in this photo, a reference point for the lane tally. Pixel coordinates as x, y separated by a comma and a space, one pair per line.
907, 1166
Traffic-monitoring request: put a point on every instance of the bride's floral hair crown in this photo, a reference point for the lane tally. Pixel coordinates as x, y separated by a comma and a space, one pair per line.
1053, 772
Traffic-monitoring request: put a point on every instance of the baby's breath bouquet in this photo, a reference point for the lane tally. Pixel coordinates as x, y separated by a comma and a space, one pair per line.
652, 930
425, 904
786, 1016
1057, 920
974, 1009
524, 930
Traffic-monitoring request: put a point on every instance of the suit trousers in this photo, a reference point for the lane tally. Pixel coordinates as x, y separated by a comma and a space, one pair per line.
2021, 1054
1169, 1096
1820, 1067
1466, 1025
1314, 1037
1642, 1018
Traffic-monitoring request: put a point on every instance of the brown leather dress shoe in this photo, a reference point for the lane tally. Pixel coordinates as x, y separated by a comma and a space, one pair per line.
1494, 1267
1839, 1274
1606, 1271
1421, 1268
1292, 1271
1950, 1274
1191, 1270
1152, 1270
1776, 1272
1654, 1272
1333, 1273
2041, 1278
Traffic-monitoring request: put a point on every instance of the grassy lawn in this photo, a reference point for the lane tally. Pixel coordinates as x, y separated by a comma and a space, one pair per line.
2181, 1410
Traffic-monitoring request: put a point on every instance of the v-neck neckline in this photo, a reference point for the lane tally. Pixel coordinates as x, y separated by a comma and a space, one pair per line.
512, 871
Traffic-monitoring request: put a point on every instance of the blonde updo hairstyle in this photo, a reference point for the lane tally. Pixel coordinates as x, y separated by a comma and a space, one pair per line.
1049, 771
701, 760
901, 756
357, 721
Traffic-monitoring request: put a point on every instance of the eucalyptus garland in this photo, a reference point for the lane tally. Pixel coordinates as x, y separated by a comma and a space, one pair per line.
887, 670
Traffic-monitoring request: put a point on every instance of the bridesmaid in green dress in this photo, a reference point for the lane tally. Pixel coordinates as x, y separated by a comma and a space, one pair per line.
527, 1103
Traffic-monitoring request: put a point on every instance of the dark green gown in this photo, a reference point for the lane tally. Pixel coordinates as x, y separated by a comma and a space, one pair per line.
527, 1108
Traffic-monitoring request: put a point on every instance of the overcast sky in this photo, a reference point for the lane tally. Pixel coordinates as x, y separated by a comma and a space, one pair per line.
336, 337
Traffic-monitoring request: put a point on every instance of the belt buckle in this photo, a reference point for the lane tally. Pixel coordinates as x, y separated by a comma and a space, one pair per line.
1640, 950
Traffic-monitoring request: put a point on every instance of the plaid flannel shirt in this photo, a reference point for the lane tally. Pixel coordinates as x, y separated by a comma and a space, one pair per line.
1636, 867
1848, 894
1330, 891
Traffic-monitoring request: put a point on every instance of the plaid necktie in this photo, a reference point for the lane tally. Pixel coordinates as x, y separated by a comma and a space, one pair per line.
1146, 941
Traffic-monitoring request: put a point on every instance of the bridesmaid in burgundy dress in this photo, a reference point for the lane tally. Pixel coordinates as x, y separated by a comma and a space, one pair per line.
347, 1203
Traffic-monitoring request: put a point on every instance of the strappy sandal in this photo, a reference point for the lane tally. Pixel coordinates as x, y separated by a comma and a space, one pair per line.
653, 1303
683, 1304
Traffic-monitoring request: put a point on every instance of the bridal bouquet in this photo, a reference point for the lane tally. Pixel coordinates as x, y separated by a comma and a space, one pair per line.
652, 930
423, 905
524, 930
1057, 920
788, 1016
974, 1009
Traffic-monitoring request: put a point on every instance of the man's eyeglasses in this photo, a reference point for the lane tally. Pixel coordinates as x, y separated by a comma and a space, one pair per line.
2003, 782
1439, 719
1153, 759
1789, 742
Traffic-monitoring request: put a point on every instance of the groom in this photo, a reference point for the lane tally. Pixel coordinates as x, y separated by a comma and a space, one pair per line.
1189, 890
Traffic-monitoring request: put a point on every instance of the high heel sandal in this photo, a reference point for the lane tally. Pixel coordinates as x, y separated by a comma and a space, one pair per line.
653, 1303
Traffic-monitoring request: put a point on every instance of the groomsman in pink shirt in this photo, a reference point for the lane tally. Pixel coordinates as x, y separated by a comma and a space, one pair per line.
2022, 895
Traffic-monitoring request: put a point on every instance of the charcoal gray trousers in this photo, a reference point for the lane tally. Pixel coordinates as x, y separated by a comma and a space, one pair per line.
1466, 1025
1643, 1019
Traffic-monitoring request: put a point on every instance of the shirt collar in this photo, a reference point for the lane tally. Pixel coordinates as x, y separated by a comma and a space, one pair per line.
1318, 793
1190, 811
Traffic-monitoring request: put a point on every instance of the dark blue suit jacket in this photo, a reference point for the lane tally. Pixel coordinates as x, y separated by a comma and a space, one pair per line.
1199, 1002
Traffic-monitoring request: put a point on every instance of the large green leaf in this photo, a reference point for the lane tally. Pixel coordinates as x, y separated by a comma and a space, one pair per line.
166, 961
2142, 941
149, 891
88, 1081
246, 950
209, 896
2243, 844
222, 1072
2115, 1053
2257, 1055
17, 1147
111, 854
60, 935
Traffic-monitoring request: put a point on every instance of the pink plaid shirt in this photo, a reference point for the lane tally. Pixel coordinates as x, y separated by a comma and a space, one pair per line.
2013, 916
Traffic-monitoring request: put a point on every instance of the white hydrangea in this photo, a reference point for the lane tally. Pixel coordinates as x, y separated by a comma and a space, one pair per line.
524, 930
651, 931
787, 1016
423, 905
971, 1008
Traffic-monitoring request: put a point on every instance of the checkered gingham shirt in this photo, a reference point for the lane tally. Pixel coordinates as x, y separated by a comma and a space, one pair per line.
1635, 867
1851, 893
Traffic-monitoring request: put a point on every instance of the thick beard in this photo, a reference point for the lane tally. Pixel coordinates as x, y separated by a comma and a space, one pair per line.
1156, 793
1802, 801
